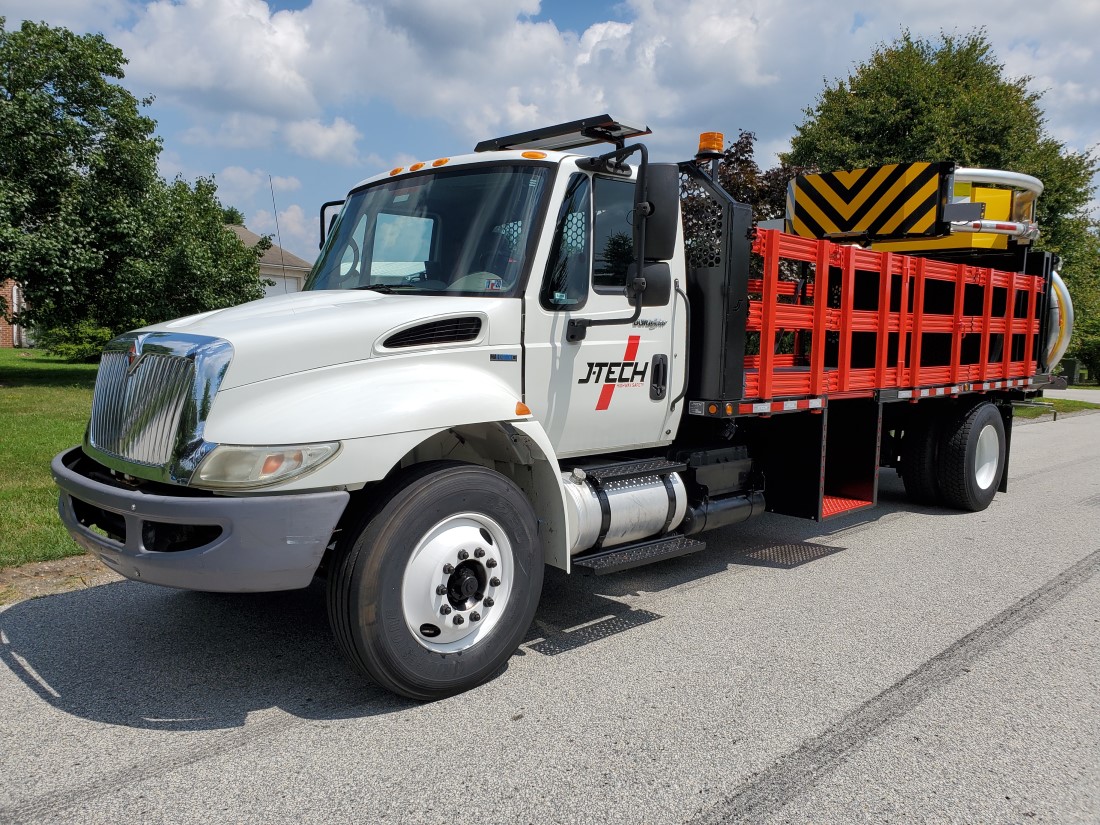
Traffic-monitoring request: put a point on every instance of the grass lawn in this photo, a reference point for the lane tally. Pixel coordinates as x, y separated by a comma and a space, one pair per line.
1061, 405
44, 407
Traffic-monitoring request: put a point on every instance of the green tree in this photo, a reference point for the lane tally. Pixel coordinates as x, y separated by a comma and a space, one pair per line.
233, 216
950, 100
95, 238
78, 157
764, 190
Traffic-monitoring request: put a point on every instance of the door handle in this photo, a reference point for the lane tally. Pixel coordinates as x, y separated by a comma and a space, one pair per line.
658, 382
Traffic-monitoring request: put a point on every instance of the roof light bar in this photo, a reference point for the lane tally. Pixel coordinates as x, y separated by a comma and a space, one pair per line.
566, 136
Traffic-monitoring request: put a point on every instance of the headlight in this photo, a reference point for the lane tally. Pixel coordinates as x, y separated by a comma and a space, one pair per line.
241, 467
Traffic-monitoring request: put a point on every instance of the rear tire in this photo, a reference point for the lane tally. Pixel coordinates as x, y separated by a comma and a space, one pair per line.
453, 542
919, 453
972, 457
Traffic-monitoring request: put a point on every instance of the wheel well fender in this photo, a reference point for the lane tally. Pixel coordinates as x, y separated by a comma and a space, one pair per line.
519, 450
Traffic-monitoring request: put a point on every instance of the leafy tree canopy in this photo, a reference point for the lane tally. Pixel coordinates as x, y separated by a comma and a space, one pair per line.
87, 227
233, 216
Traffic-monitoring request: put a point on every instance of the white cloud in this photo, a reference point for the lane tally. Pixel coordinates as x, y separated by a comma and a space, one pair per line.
254, 78
298, 231
237, 130
239, 185
313, 139
235, 54
88, 15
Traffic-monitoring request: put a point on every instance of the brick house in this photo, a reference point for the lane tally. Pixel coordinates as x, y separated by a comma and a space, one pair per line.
12, 335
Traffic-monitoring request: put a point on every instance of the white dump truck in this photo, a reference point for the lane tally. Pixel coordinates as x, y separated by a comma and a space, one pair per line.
530, 356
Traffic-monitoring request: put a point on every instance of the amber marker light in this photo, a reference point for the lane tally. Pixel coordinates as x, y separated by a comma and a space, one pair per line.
397, 171
271, 464
522, 409
440, 162
712, 409
729, 409
416, 167
534, 155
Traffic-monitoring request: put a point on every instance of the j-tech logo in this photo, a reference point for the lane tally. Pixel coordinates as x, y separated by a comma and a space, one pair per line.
613, 373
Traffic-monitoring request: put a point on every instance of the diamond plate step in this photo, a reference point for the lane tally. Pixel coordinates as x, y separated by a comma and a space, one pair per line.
633, 469
635, 555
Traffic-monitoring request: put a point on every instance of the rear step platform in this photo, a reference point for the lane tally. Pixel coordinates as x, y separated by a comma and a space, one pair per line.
615, 559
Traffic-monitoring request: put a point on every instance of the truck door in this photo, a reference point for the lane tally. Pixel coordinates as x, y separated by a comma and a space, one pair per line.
610, 391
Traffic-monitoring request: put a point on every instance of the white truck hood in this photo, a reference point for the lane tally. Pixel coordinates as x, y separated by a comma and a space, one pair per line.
300, 331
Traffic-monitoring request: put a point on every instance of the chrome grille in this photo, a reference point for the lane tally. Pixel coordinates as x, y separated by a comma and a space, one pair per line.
136, 415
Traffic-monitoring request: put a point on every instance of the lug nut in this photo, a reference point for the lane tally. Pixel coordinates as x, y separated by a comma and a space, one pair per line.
475, 617
441, 590
463, 555
491, 563
448, 569
494, 581
458, 620
479, 552
445, 610
489, 602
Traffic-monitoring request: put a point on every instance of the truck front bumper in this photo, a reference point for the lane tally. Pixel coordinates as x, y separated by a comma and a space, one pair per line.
196, 542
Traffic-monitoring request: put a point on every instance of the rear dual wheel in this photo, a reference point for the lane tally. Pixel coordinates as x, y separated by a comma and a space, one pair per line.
956, 457
972, 458
433, 593
919, 450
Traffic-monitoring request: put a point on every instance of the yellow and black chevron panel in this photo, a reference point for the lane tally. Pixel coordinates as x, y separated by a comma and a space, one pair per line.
892, 202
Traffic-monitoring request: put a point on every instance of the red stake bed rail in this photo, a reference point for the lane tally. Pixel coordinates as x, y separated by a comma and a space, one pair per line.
843, 322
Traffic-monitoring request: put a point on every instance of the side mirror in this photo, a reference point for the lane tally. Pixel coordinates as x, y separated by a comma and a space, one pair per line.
330, 211
663, 190
658, 284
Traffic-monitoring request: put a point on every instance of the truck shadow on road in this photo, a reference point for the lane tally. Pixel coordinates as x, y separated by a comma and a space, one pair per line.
149, 657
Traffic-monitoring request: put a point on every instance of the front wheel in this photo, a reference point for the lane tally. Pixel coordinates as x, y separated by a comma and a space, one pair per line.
433, 594
972, 457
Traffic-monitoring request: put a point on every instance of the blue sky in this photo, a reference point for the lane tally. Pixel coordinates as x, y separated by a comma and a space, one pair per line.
307, 98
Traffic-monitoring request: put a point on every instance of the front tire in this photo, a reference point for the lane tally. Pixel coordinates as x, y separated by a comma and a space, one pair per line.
433, 593
972, 457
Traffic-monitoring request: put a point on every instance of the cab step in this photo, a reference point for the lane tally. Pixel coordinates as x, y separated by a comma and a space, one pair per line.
614, 559
625, 470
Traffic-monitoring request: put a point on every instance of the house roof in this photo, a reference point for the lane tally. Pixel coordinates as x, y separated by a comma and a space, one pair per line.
276, 256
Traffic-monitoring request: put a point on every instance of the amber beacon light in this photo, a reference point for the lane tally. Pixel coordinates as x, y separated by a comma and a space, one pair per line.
710, 146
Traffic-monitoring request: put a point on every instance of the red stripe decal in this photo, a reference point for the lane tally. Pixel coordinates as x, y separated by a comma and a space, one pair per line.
608, 390
605, 397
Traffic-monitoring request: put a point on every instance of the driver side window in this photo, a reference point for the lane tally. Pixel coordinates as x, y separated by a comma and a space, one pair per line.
565, 284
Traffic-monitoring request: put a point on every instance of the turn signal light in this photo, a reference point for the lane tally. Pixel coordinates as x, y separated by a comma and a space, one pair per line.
522, 409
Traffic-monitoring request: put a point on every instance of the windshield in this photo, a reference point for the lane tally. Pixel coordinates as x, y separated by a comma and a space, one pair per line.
459, 231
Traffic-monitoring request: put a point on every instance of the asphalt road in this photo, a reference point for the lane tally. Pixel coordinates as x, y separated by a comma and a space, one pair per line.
906, 665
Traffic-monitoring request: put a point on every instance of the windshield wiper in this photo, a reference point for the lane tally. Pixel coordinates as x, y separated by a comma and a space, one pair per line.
383, 288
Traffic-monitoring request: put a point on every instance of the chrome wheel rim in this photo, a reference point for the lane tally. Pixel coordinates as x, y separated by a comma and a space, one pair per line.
457, 582
987, 457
